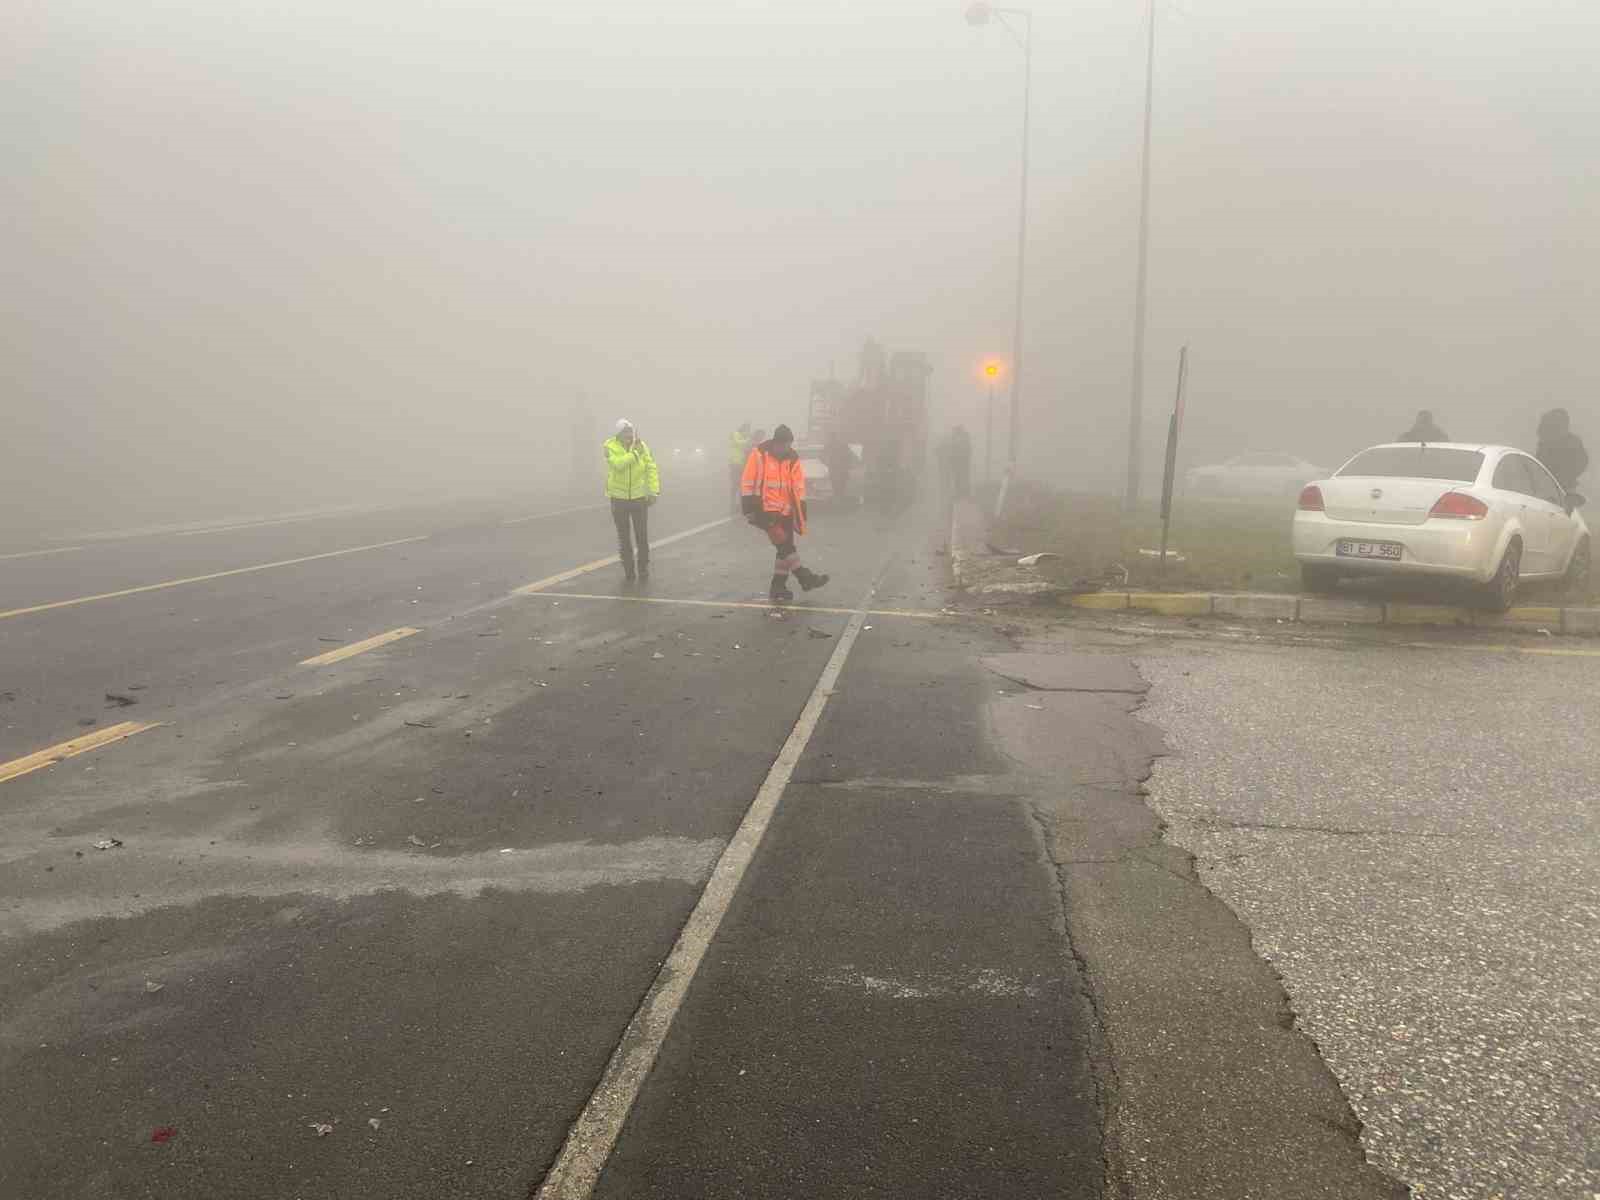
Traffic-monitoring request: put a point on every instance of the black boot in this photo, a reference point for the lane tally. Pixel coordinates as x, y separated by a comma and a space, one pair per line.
627, 570
780, 593
809, 579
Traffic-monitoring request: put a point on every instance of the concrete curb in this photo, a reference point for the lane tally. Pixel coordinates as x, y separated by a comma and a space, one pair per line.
1339, 610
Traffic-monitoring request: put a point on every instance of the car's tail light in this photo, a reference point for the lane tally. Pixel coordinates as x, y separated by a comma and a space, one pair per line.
1460, 506
1311, 498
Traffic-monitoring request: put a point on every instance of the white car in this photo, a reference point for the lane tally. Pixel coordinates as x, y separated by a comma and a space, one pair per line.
819, 483
1492, 516
1253, 475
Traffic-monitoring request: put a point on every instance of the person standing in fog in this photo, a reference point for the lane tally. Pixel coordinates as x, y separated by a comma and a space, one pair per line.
738, 451
961, 462
1424, 430
1560, 449
632, 485
773, 496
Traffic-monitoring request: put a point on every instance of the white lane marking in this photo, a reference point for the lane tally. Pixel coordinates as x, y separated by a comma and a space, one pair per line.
565, 512
256, 524
590, 1140
38, 553
539, 585
798, 609
172, 583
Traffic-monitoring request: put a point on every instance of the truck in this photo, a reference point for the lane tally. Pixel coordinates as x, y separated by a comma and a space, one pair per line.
884, 411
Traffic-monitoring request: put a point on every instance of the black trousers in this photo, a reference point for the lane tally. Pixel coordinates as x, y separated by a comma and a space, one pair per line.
632, 518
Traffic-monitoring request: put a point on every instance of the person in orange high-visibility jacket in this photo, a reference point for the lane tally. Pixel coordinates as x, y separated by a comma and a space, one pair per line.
772, 495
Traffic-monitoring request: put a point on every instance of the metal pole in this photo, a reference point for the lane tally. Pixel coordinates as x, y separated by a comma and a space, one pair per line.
988, 439
1022, 244
1136, 401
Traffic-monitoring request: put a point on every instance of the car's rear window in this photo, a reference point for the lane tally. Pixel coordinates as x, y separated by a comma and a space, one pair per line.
1416, 462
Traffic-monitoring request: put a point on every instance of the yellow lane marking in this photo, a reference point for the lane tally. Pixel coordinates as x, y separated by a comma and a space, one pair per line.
78, 745
172, 583
539, 585
1556, 651
355, 648
565, 512
37, 553
919, 614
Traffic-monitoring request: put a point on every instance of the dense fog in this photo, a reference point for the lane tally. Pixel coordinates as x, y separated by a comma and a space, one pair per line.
264, 257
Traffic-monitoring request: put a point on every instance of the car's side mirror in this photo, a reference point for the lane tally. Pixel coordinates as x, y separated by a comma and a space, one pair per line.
1575, 502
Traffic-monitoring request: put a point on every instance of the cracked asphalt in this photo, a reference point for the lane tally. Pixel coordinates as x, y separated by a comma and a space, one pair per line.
1412, 836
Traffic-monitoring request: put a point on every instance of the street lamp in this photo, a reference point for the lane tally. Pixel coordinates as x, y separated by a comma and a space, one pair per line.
991, 372
982, 14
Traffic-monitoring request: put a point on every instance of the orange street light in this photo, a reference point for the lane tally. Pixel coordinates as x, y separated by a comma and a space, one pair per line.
992, 370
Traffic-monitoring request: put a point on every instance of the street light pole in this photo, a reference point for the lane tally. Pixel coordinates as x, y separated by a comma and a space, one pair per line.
980, 14
1130, 498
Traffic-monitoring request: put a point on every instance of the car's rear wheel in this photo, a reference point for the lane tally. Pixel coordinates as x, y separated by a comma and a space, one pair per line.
1579, 567
1318, 577
1500, 593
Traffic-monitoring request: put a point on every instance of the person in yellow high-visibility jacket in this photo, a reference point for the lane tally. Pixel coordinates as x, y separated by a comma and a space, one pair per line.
632, 485
738, 451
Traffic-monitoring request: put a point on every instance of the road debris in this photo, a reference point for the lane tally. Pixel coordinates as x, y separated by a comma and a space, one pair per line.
818, 633
416, 841
118, 699
323, 1130
657, 654
419, 724
152, 987
374, 1122
109, 843
1033, 560
162, 1134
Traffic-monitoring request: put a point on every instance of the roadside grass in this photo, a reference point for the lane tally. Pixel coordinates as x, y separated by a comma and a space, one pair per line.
1227, 546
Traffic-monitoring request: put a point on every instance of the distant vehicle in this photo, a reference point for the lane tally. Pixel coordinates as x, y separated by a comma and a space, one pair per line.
1253, 475
1489, 515
819, 484
687, 455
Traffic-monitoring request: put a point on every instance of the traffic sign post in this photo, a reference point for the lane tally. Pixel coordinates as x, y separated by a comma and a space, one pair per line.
1174, 428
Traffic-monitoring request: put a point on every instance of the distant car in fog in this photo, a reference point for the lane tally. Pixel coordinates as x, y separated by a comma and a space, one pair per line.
1260, 474
819, 481
1491, 516
688, 454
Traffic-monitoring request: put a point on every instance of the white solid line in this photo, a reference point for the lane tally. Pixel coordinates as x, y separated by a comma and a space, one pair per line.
243, 525
565, 512
539, 585
590, 1140
172, 583
799, 610
37, 553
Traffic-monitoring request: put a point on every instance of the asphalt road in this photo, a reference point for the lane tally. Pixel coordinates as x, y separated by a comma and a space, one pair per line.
571, 890
1410, 828
375, 927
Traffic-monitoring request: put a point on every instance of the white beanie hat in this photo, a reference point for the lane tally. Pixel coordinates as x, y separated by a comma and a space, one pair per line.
623, 423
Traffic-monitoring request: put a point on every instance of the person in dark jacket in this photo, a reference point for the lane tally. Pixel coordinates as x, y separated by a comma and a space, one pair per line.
1424, 430
1560, 449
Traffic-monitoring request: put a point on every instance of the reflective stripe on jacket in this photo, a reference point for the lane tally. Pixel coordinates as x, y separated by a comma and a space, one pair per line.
630, 471
778, 481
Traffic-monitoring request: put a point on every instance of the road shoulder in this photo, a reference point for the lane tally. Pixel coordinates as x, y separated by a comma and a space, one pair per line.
1208, 1089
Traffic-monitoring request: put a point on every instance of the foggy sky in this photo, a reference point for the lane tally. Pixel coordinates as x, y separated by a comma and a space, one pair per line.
295, 251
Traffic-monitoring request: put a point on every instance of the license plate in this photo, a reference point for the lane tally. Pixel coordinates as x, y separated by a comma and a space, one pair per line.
1389, 550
